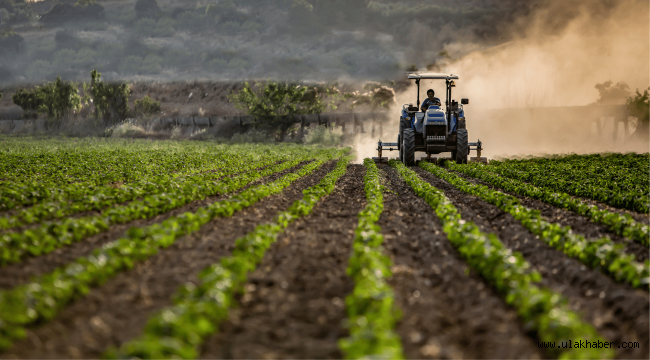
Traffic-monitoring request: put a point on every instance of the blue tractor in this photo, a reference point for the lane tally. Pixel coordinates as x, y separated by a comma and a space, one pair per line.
434, 131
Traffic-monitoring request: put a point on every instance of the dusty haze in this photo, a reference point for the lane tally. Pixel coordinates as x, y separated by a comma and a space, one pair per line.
560, 52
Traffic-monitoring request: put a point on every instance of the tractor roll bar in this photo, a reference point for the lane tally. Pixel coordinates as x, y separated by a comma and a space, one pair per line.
433, 76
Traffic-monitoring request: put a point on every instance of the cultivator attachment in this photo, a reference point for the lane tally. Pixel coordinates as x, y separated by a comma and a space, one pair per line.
478, 147
384, 146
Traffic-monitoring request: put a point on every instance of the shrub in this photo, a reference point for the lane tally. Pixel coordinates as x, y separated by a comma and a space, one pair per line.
111, 100
55, 99
146, 106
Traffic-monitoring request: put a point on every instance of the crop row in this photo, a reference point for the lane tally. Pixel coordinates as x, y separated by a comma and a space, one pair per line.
100, 161
624, 169
179, 330
621, 224
601, 254
15, 193
43, 298
586, 177
105, 196
50, 236
542, 310
101, 165
372, 314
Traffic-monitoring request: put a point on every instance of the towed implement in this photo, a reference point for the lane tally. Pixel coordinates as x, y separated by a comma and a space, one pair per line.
435, 130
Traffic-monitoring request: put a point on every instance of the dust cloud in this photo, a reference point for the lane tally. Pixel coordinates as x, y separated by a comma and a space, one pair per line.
558, 54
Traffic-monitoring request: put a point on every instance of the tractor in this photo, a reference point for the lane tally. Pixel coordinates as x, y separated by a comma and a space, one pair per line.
434, 131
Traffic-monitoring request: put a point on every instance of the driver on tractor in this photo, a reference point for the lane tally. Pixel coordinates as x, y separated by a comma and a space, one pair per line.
430, 100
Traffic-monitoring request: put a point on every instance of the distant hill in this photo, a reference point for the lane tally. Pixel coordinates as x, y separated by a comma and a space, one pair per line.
299, 39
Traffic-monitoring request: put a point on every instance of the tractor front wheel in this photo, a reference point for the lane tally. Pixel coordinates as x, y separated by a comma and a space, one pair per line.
462, 147
408, 147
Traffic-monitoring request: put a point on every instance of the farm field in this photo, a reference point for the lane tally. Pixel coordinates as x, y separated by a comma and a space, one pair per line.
121, 248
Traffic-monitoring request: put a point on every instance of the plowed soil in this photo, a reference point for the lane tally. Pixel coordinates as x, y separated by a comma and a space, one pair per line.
449, 312
118, 310
618, 311
293, 306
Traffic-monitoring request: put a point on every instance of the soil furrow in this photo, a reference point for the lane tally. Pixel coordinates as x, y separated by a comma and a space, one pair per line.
117, 311
579, 224
293, 304
618, 311
448, 310
21, 272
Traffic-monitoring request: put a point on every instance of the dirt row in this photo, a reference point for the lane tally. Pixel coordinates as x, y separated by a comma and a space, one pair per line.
579, 224
293, 304
117, 311
448, 311
618, 311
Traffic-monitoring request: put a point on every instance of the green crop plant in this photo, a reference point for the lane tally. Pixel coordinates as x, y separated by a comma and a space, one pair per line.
372, 314
542, 310
35, 171
49, 236
47, 294
621, 224
98, 198
179, 330
619, 180
601, 254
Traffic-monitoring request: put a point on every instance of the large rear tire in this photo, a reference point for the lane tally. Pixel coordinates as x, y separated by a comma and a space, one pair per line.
408, 147
462, 146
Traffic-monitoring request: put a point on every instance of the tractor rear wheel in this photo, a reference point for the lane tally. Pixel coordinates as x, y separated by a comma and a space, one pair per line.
408, 147
462, 147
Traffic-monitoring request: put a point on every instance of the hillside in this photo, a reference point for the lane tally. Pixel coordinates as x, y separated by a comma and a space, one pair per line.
299, 39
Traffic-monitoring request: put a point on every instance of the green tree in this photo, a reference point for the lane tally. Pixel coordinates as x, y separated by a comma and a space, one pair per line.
273, 104
54, 99
638, 106
111, 100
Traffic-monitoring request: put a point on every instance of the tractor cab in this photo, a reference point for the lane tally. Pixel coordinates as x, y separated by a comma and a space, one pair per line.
438, 129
